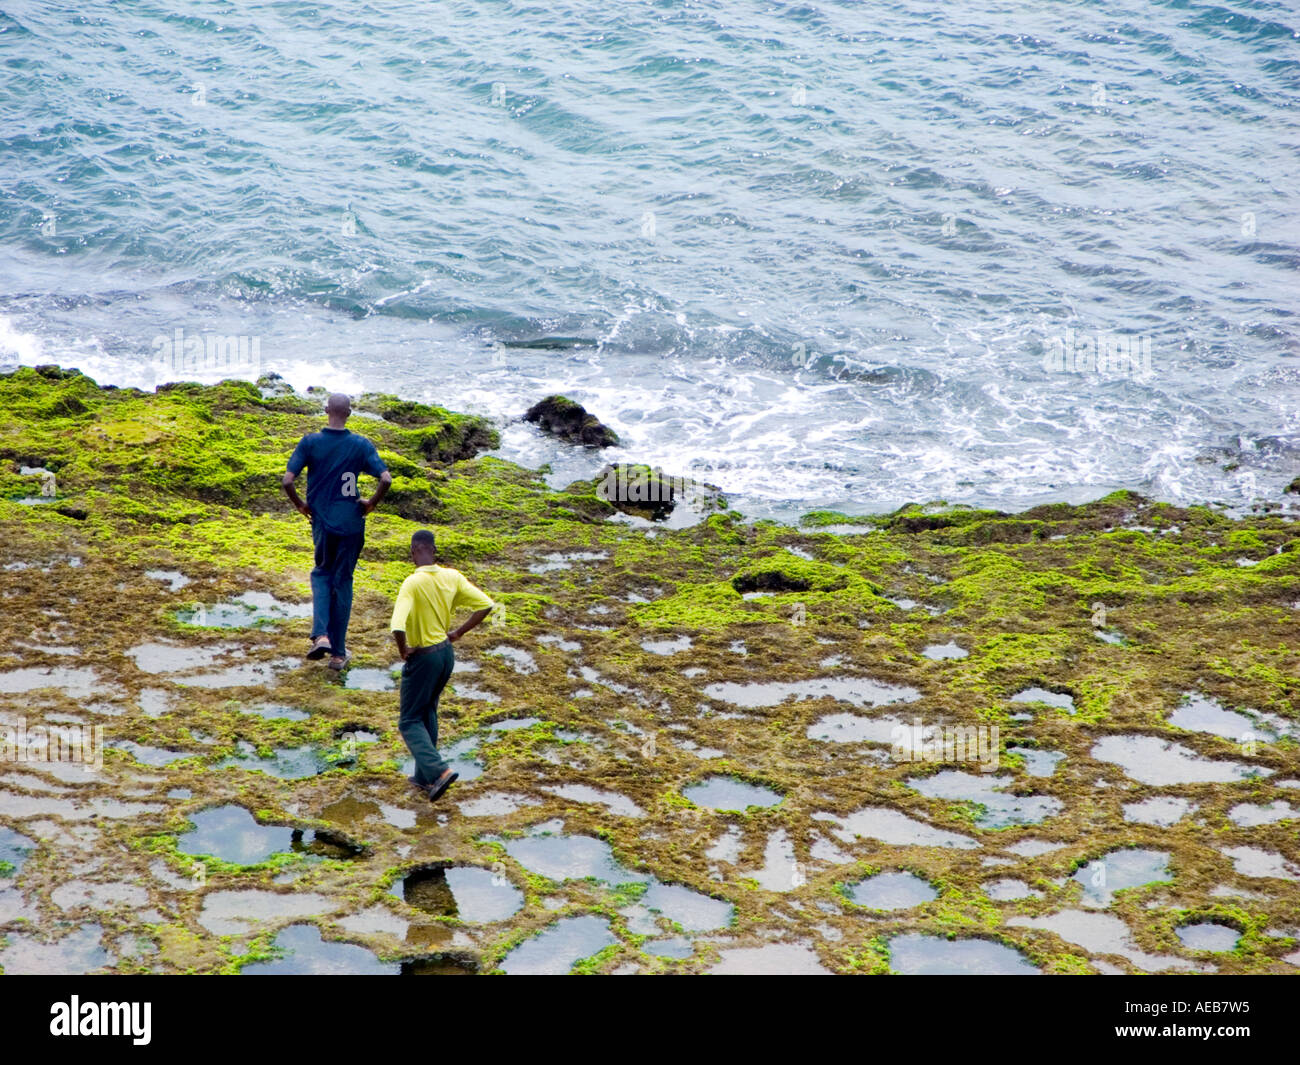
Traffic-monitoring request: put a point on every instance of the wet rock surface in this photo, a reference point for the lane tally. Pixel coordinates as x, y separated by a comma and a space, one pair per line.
710, 748
562, 417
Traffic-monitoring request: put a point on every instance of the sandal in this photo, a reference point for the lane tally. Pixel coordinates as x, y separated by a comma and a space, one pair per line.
442, 784
320, 647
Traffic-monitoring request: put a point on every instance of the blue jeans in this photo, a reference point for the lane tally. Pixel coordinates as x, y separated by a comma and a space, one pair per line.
331, 583
423, 678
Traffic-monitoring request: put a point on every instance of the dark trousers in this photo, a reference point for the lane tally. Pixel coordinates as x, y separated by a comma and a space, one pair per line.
423, 678
331, 583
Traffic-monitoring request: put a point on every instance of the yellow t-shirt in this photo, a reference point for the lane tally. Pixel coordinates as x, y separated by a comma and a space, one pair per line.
425, 603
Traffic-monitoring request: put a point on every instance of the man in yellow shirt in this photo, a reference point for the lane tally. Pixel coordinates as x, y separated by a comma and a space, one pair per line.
421, 617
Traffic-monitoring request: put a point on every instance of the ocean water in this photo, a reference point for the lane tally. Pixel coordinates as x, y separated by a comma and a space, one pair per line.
819, 254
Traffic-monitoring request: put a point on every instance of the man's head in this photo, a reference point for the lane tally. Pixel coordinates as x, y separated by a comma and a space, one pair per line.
338, 408
423, 548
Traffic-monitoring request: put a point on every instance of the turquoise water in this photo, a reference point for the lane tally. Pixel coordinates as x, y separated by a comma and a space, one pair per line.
813, 253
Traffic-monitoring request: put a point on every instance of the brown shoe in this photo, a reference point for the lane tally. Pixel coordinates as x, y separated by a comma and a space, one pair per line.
320, 647
442, 784
337, 662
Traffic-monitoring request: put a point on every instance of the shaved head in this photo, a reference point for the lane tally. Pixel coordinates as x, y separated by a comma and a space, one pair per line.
338, 403
423, 547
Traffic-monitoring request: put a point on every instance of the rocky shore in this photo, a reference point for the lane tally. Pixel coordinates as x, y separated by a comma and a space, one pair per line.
1061, 741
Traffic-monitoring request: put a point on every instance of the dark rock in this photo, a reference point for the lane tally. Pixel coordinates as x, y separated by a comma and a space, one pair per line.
551, 343
1294, 486
772, 580
570, 421
273, 385
53, 372
636, 489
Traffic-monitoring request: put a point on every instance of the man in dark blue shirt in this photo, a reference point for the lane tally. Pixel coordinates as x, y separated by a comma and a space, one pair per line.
334, 458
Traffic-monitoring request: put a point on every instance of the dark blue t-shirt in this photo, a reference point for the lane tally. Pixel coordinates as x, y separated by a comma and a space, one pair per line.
333, 458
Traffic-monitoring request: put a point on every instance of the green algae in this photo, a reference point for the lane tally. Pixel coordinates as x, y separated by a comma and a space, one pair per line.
189, 479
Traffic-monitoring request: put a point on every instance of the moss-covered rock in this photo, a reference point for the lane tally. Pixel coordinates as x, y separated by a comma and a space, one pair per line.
650, 494
562, 417
651, 658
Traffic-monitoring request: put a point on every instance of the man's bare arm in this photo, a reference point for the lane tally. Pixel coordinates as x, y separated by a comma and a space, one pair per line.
385, 482
475, 619
400, 638
286, 482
